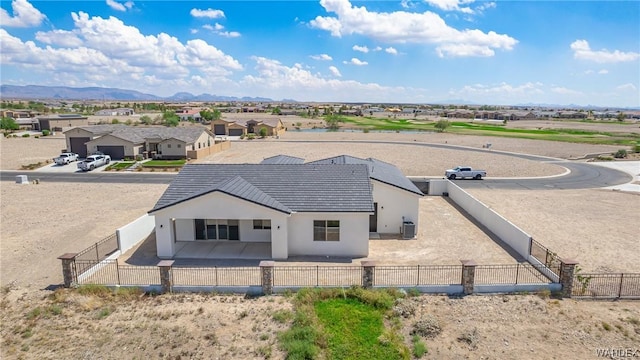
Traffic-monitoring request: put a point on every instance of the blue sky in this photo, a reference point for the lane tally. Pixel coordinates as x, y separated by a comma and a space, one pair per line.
484, 52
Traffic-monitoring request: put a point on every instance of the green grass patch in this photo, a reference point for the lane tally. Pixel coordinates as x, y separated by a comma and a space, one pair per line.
343, 324
164, 163
419, 347
120, 165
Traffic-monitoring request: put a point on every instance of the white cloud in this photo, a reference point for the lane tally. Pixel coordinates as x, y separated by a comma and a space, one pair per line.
582, 51
208, 13
407, 4
193, 31
408, 27
627, 87
451, 5
356, 61
109, 52
334, 70
391, 50
564, 91
321, 57
217, 29
120, 7
229, 34
507, 93
603, 72
486, 5
218, 26
24, 15
207, 27
280, 81
59, 37
363, 49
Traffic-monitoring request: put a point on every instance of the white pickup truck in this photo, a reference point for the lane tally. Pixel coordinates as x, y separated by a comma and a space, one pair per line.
93, 161
461, 172
66, 158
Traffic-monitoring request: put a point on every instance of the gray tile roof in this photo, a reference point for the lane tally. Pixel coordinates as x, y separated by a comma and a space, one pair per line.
283, 187
378, 170
138, 134
282, 159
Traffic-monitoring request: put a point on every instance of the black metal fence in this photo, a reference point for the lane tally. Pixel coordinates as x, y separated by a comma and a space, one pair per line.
418, 275
521, 273
547, 257
606, 285
316, 276
96, 252
216, 276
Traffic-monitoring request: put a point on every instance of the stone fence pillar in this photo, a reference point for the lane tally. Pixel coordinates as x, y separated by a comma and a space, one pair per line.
567, 271
368, 273
468, 276
266, 272
68, 268
166, 275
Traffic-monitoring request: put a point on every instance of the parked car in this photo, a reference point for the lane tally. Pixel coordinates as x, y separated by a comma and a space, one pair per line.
93, 161
66, 158
461, 172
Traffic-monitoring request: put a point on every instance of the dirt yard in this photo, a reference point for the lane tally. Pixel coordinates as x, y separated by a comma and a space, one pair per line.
67, 325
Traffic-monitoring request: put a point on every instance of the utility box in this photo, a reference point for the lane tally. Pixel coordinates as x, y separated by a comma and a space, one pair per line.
22, 179
408, 230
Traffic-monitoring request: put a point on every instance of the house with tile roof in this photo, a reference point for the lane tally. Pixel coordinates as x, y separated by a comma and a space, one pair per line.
282, 208
121, 141
239, 127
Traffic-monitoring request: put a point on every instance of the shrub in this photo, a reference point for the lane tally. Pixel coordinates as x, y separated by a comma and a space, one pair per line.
263, 132
442, 125
250, 136
428, 327
620, 154
45, 132
25, 135
469, 337
419, 347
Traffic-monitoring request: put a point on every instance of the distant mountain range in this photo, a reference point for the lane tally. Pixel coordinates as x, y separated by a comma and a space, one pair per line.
33, 92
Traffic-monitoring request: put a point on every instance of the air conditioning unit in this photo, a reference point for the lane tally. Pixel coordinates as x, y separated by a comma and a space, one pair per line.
408, 230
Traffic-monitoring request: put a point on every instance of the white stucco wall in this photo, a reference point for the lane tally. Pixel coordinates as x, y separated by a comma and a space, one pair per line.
185, 231
217, 206
393, 204
354, 235
130, 150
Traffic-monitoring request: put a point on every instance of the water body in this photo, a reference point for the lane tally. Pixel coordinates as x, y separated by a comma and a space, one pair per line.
324, 130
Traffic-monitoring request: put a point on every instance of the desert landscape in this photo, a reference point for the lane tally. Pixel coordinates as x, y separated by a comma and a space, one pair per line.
40, 222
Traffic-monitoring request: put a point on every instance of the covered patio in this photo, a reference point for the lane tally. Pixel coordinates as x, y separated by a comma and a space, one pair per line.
222, 250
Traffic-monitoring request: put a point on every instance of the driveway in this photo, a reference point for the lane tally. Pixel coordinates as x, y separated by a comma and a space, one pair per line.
69, 168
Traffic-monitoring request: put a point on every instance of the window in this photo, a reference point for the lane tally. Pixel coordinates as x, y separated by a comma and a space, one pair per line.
326, 230
208, 229
168, 146
199, 145
179, 146
261, 224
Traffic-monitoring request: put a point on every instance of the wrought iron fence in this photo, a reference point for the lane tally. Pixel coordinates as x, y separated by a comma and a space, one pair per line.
606, 285
317, 275
216, 276
418, 275
547, 257
97, 252
520, 273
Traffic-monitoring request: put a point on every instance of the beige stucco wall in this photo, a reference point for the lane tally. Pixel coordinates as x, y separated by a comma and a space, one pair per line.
130, 149
172, 148
77, 132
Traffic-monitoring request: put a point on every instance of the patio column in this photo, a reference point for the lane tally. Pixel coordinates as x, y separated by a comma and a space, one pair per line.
468, 276
368, 273
166, 275
68, 273
266, 272
567, 271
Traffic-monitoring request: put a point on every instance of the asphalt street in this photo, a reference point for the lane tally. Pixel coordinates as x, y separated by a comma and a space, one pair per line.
581, 176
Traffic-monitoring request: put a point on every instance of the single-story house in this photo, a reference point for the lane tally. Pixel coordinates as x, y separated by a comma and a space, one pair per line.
120, 141
62, 121
324, 208
239, 127
115, 112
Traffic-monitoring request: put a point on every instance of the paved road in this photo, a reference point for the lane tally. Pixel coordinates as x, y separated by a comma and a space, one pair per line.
581, 176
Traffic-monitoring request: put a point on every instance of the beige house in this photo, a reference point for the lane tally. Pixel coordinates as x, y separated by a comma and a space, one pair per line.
120, 141
239, 127
61, 122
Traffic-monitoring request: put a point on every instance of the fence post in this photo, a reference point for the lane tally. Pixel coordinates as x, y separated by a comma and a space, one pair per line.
266, 272
368, 273
567, 271
68, 260
468, 276
166, 280
620, 288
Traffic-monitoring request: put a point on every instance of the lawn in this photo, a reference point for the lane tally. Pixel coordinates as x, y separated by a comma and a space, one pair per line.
120, 165
470, 128
164, 163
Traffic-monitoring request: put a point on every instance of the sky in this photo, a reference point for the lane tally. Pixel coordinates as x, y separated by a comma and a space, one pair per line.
407, 51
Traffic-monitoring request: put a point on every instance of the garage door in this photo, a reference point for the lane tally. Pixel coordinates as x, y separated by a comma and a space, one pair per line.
116, 152
78, 146
235, 132
219, 130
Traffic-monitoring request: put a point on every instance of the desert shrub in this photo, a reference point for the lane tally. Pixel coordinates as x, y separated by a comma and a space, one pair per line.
470, 337
429, 327
250, 136
25, 135
45, 132
263, 132
620, 154
404, 308
419, 347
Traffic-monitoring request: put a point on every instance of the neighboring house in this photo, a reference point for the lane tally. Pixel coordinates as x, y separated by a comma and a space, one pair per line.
239, 127
189, 115
61, 122
120, 141
115, 112
324, 208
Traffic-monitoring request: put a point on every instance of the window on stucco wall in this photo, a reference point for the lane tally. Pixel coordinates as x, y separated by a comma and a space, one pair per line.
326, 230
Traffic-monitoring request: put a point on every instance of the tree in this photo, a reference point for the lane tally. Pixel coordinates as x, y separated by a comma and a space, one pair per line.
8, 124
276, 111
263, 132
332, 121
441, 125
146, 119
621, 116
170, 118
